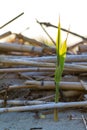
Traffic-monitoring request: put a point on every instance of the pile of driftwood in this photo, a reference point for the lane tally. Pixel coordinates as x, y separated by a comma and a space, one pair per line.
27, 70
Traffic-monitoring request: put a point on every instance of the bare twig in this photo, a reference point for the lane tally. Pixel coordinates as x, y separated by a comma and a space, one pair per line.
22, 102
51, 25
45, 106
46, 32
24, 76
45, 98
75, 34
84, 121
11, 20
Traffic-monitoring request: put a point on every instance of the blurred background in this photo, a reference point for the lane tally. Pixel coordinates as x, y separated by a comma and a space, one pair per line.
72, 13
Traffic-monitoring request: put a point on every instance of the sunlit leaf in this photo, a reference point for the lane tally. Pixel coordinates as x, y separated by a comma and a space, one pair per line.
61, 49
58, 41
63, 55
57, 74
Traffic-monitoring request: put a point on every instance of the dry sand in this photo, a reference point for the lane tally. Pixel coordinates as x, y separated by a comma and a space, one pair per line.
26, 121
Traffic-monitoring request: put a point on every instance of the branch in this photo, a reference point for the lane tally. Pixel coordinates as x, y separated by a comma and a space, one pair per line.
51, 25
11, 20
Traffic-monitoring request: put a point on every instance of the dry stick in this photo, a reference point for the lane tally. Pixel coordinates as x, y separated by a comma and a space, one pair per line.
84, 121
80, 63
25, 62
49, 24
46, 32
31, 41
74, 66
30, 69
76, 58
46, 98
37, 74
6, 47
24, 76
22, 102
49, 85
11, 20
76, 118
19, 48
45, 106
48, 35
67, 66
69, 58
42, 69
5, 34
75, 34
51, 59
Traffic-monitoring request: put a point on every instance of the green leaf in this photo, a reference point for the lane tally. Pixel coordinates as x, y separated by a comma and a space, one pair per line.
62, 55
58, 42
57, 75
61, 49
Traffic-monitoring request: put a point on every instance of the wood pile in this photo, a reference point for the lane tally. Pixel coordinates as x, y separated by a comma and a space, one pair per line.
27, 69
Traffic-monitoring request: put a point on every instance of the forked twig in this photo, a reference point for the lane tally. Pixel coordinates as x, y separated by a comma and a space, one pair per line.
84, 39
51, 25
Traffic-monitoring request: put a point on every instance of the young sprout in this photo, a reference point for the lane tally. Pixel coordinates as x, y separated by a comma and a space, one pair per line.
61, 49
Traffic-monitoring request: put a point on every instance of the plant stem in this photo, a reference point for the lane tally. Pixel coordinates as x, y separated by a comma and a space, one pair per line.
56, 101
56, 114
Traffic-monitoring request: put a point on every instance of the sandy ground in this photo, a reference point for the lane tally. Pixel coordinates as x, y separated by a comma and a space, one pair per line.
26, 121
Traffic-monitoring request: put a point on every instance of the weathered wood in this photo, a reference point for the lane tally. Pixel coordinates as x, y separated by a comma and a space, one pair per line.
30, 69
63, 29
25, 62
80, 63
19, 48
21, 102
31, 41
5, 34
45, 106
51, 85
69, 58
76, 58
48, 85
75, 67
51, 59
67, 66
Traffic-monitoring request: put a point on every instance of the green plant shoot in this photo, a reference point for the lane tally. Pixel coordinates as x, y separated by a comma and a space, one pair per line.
61, 49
